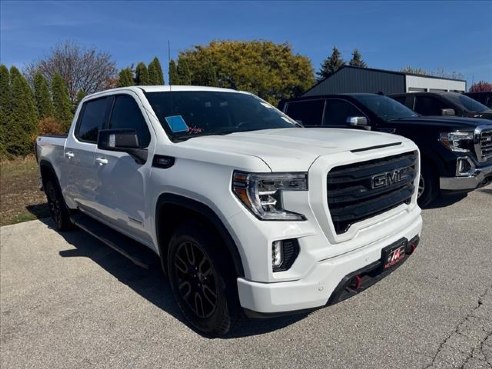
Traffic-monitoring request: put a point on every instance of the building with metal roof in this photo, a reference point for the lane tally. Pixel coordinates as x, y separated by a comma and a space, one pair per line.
349, 79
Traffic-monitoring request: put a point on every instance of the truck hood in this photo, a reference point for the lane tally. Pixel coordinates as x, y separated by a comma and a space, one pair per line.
450, 123
291, 149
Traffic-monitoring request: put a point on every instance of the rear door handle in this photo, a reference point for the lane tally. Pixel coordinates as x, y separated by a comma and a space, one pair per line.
69, 154
102, 161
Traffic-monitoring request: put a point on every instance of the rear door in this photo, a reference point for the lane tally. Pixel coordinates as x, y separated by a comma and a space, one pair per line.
78, 174
120, 190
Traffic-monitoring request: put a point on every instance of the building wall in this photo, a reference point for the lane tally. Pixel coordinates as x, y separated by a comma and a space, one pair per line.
352, 80
417, 83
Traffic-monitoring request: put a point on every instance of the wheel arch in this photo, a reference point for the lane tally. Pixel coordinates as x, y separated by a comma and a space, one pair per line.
178, 209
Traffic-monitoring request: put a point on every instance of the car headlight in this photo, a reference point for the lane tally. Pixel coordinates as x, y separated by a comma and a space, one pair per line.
457, 141
262, 193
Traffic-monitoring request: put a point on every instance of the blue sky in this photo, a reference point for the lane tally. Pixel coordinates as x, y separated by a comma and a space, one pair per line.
449, 35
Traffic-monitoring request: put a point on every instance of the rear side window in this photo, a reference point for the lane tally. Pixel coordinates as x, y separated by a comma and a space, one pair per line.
429, 105
309, 112
337, 111
92, 120
127, 114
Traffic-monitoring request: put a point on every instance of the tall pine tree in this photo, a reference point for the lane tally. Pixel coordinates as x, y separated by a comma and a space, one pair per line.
61, 101
4, 94
142, 75
22, 125
356, 60
42, 96
330, 65
156, 76
184, 72
173, 73
80, 95
125, 78
4, 108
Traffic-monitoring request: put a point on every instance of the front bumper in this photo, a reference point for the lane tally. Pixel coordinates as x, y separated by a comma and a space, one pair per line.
480, 176
321, 284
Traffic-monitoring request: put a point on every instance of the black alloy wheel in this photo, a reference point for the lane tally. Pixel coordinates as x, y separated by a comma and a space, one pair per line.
202, 280
196, 279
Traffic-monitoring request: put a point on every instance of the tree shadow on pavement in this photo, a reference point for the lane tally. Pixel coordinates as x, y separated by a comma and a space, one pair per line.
152, 284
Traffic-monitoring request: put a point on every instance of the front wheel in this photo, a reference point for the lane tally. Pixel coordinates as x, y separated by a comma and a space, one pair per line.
201, 281
428, 189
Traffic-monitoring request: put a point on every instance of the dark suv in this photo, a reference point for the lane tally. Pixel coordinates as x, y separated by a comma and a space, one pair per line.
444, 103
456, 153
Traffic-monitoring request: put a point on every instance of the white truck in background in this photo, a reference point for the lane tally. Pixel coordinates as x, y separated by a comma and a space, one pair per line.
246, 210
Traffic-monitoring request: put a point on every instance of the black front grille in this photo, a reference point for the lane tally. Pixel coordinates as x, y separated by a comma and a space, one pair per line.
363, 190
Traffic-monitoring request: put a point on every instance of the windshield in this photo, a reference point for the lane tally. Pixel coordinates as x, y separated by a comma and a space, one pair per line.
385, 107
467, 103
186, 114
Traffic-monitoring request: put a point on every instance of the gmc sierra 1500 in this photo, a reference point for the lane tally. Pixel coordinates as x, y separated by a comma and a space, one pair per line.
244, 208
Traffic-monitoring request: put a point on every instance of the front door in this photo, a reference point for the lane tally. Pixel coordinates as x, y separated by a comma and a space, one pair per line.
120, 190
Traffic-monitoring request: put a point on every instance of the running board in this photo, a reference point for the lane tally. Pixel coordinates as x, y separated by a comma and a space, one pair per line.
139, 254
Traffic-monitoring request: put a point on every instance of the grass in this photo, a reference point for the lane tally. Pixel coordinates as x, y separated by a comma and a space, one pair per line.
21, 199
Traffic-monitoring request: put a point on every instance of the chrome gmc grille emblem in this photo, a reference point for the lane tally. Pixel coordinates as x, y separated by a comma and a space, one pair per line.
387, 179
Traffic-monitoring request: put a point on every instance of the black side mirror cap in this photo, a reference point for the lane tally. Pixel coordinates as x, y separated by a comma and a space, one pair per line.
122, 140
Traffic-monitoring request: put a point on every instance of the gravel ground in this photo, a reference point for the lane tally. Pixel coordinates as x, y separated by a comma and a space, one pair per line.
67, 301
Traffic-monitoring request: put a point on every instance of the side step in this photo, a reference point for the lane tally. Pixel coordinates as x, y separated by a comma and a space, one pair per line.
139, 254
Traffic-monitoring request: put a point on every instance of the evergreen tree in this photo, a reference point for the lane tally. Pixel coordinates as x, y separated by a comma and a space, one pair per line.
4, 94
356, 60
14, 72
42, 96
156, 76
4, 108
21, 129
61, 101
184, 73
331, 65
80, 95
125, 78
173, 73
142, 75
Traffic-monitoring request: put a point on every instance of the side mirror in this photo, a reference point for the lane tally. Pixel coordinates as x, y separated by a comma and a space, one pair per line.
448, 112
357, 121
122, 140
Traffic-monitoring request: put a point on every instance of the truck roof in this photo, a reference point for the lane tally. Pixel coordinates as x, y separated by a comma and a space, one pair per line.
161, 88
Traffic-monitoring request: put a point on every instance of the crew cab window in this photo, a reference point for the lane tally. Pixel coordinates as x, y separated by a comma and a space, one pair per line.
308, 112
91, 120
429, 105
127, 114
337, 111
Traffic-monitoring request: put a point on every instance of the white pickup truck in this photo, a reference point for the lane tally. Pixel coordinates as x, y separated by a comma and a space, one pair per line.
246, 210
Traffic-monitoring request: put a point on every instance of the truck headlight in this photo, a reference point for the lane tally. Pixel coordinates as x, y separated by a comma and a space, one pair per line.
457, 141
262, 193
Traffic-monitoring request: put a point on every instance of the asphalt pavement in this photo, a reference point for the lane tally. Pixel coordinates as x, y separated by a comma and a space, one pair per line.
67, 301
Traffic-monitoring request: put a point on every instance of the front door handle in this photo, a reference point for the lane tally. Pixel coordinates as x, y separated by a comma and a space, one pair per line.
102, 161
69, 154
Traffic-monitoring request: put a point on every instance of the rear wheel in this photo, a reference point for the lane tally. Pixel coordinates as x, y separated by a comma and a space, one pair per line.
201, 281
58, 209
428, 189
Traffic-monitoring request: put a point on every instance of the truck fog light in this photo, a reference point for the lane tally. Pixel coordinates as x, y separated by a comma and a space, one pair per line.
464, 167
284, 253
276, 254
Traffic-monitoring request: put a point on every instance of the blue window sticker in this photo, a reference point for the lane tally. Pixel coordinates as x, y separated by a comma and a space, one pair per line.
176, 123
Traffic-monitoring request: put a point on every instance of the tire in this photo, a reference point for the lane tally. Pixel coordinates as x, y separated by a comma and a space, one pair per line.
201, 280
58, 209
428, 189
